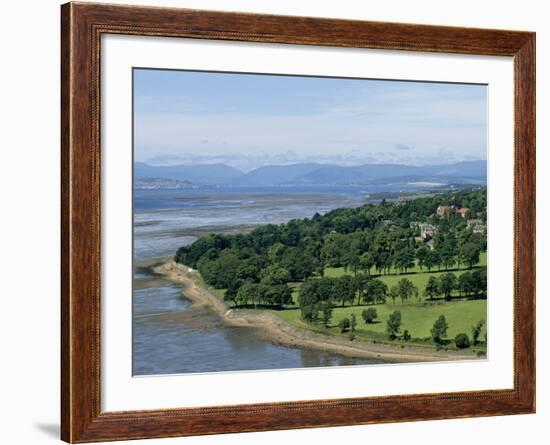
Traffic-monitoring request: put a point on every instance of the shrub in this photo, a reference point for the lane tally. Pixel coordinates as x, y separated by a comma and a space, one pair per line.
369, 315
393, 324
344, 324
476, 331
406, 335
462, 341
439, 330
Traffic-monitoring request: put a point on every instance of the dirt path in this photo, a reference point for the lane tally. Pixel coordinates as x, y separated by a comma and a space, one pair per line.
279, 331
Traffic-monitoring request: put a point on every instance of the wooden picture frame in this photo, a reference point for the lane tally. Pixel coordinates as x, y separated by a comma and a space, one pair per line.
82, 26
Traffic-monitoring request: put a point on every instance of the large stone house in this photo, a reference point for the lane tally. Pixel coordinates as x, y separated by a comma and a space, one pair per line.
444, 210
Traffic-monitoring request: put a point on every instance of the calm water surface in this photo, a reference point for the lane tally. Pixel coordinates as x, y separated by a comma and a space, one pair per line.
169, 336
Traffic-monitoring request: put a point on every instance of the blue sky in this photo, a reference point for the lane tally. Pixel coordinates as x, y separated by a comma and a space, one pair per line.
248, 120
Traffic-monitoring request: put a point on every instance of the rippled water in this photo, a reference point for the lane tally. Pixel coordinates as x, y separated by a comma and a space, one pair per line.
170, 336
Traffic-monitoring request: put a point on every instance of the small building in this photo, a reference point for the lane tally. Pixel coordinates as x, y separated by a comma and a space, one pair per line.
479, 229
427, 230
473, 222
463, 211
444, 210
476, 225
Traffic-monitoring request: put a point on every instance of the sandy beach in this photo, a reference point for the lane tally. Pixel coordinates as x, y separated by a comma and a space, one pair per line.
279, 331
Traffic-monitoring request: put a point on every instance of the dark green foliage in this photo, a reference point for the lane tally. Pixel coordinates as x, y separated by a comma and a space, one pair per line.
231, 294
406, 335
309, 300
462, 341
406, 289
368, 240
344, 289
248, 292
432, 288
376, 292
439, 330
369, 315
394, 293
326, 309
275, 295
469, 254
344, 324
447, 284
393, 325
476, 331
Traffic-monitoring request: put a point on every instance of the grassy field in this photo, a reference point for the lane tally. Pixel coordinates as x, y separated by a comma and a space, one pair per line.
337, 271
417, 276
417, 318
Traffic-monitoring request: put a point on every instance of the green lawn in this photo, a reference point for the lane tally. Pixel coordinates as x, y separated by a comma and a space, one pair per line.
417, 318
339, 271
417, 276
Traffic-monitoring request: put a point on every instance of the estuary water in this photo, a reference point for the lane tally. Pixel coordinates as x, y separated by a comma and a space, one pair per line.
170, 336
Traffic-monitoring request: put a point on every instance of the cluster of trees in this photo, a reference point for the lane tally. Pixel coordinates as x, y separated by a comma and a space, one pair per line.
438, 331
318, 296
358, 239
467, 284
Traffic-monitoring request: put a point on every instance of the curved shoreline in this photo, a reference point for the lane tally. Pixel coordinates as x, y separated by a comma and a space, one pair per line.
279, 331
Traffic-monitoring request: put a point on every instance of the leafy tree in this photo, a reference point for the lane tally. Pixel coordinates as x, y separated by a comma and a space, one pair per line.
406, 289
232, 292
366, 262
421, 254
376, 291
369, 315
469, 254
404, 259
248, 291
394, 293
432, 259
462, 341
393, 325
447, 284
439, 330
344, 289
274, 274
432, 288
298, 263
465, 284
326, 309
479, 282
447, 255
476, 331
344, 324
275, 295
308, 300
406, 335
361, 283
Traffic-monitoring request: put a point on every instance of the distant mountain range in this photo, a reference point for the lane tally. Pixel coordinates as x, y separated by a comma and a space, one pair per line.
466, 172
206, 174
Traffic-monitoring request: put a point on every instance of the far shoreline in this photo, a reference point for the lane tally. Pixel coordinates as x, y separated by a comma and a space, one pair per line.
278, 331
